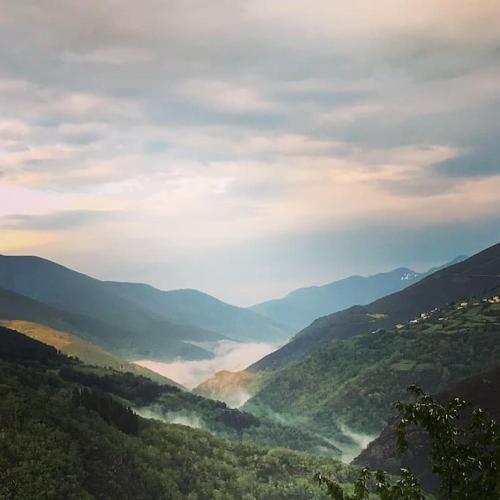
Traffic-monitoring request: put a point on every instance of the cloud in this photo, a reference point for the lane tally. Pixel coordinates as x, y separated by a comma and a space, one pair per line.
53, 221
219, 126
110, 55
228, 355
482, 160
226, 97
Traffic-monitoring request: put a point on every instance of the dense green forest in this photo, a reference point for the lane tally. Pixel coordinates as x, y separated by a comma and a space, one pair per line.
62, 438
170, 404
353, 381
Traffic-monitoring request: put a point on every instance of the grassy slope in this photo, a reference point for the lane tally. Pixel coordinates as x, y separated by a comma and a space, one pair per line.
88, 353
354, 381
51, 448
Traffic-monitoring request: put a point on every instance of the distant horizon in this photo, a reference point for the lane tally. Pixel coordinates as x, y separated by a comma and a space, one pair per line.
418, 269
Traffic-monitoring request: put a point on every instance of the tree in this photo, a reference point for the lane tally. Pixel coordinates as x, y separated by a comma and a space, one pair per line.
464, 451
237, 420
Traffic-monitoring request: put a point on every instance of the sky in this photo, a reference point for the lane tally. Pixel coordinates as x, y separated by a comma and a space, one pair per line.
248, 148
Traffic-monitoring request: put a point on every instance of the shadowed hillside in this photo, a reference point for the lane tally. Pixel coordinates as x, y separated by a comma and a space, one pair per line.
193, 307
482, 390
119, 341
62, 288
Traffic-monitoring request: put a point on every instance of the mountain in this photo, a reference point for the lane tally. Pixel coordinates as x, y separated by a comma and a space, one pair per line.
119, 341
76, 347
472, 276
347, 387
180, 315
65, 289
482, 390
301, 307
192, 307
72, 434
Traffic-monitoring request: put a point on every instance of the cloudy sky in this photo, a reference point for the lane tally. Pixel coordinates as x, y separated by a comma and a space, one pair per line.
246, 148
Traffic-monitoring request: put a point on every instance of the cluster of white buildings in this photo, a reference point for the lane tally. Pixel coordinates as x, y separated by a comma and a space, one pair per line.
493, 300
462, 305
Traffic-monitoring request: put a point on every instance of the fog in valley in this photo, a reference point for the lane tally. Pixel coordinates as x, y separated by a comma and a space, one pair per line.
228, 355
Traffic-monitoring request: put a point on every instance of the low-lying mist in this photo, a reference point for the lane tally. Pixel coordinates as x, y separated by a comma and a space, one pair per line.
228, 355
183, 418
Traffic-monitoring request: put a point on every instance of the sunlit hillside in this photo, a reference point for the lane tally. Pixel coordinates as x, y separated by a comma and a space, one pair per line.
74, 346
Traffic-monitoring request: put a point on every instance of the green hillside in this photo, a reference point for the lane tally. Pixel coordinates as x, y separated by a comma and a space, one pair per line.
351, 383
63, 439
169, 404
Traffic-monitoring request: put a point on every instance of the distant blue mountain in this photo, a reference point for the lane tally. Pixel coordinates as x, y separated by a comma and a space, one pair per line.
301, 307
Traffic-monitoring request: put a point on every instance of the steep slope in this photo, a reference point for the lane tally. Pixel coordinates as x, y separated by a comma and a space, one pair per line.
482, 390
122, 342
301, 307
76, 347
192, 307
62, 288
473, 276
352, 382
66, 439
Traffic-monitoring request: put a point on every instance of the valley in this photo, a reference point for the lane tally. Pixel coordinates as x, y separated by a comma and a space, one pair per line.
244, 403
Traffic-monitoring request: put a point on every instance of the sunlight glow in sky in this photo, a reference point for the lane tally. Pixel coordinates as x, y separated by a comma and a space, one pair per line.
248, 148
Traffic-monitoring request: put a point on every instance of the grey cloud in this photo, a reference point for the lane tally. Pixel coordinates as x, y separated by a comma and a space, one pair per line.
482, 160
417, 83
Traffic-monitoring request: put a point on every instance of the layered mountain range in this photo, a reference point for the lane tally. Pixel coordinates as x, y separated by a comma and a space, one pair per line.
131, 320
302, 306
337, 377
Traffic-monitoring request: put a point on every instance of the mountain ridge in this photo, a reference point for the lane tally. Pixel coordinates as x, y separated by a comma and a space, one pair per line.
151, 332
474, 275
302, 306
121, 342
191, 306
